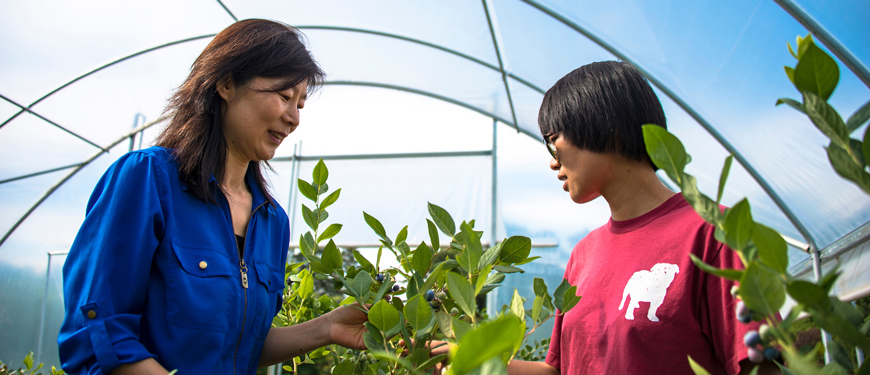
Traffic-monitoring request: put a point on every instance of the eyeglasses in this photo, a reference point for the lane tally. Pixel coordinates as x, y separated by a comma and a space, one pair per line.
550, 147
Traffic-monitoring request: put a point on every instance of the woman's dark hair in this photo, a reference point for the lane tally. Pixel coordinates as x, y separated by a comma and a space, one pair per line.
244, 50
601, 107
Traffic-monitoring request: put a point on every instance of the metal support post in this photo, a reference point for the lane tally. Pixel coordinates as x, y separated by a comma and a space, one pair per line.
817, 272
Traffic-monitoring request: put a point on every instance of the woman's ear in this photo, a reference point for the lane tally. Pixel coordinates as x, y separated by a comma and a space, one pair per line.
226, 88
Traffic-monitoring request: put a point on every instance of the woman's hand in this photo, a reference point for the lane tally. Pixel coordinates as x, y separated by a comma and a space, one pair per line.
344, 326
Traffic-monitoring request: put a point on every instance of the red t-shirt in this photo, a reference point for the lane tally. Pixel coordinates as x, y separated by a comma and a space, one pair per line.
645, 305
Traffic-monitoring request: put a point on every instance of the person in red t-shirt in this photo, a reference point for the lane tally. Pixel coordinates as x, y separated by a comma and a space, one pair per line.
645, 306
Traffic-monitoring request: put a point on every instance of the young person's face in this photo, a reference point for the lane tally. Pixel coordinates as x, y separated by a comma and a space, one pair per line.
584, 173
256, 120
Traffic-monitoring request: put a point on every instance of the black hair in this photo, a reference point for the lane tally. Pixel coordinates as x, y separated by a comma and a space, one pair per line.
244, 50
601, 107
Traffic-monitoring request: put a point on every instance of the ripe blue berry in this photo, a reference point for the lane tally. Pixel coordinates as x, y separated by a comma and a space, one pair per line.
771, 353
289, 280
380, 277
745, 319
395, 287
752, 338
755, 355
430, 295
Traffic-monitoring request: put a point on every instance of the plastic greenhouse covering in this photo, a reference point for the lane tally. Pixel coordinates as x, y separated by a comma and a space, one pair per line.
425, 101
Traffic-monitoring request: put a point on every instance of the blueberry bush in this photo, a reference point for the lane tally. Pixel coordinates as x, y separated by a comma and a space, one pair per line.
29, 369
432, 295
765, 282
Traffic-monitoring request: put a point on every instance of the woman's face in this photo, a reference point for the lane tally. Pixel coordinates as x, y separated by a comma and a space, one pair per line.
585, 173
256, 120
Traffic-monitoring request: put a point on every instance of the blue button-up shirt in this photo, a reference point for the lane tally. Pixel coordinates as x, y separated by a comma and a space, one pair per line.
155, 272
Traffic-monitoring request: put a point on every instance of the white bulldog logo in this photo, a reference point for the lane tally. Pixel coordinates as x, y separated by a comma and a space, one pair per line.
648, 286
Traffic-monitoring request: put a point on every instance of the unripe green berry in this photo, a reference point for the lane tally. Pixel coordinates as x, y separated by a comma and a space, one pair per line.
765, 332
735, 290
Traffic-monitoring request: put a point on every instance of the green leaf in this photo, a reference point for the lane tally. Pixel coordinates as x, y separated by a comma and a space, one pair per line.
442, 219
507, 269
761, 289
462, 293
810, 295
666, 151
330, 199
460, 328
491, 340
417, 312
826, 119
373, 340
320, 173
377, 227
320, 215
517, 305
724, 177
363, 262
433, 236
383, 315
515, 249
789, 71
310, 217
559, 293
698, 369
841, 328
838, 355
343, 368
527, 260
490, 256
791, 103
307, 190
307, 245
569, 300
495, 278
739, 226
360, 284
730, 274
331, 258
537, 305
28, 360
846, 167
403, 235
470, 257
865, 145
445, 323
816, 72
772, 249
480, 279
858, 118
421, 259
708, 209
329, 232
430, 362
306, 286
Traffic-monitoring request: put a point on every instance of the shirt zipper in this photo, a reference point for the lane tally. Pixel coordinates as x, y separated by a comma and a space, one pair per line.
243, 269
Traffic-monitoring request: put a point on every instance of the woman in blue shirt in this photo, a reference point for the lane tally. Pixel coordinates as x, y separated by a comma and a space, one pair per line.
179, 263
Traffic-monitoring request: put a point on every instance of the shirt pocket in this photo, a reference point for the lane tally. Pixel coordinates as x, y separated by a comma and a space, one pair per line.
270, 286
199, 290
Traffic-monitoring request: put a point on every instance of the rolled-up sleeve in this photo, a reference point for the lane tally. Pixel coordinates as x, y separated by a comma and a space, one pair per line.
106, 273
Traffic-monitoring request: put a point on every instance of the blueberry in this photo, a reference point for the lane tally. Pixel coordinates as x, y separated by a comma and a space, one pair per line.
752, 338
380, 277
395, 287
289, 280
435, 304
454, 311
745, 319
441, 295
430, 295
755, 355
771, 353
